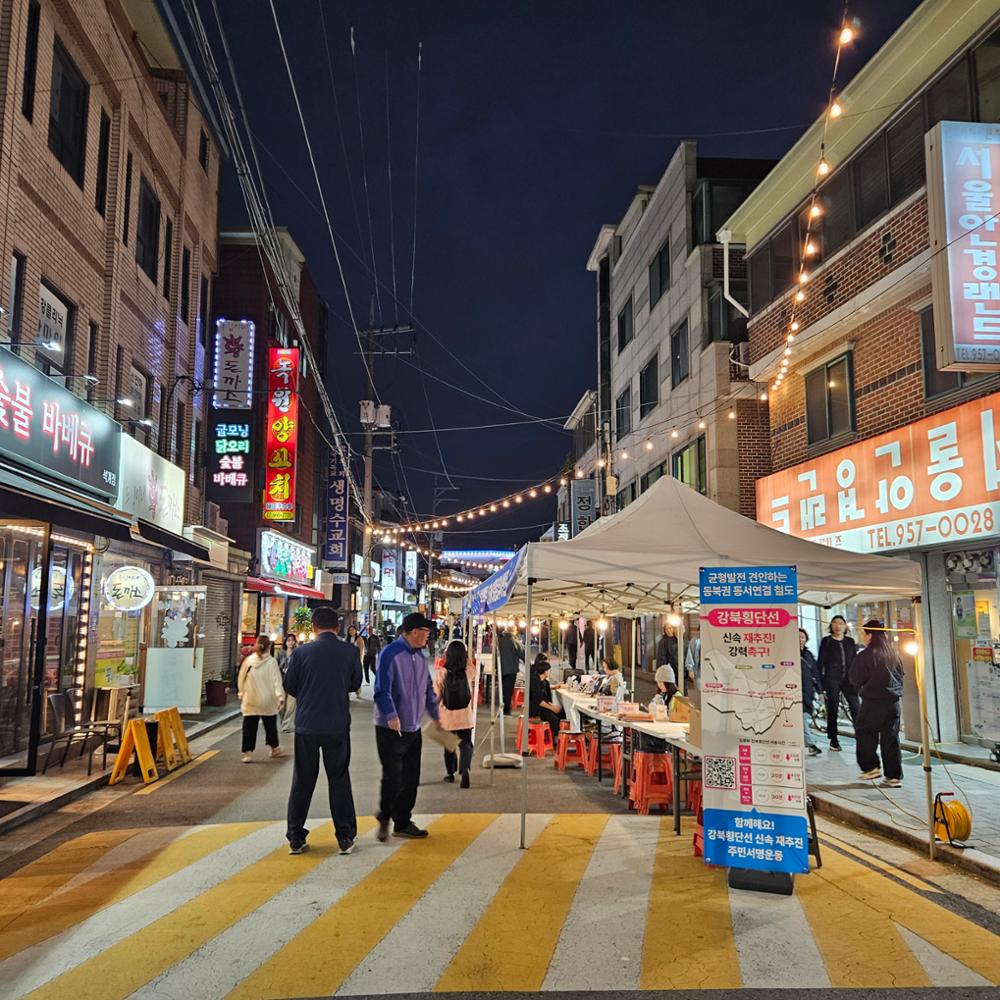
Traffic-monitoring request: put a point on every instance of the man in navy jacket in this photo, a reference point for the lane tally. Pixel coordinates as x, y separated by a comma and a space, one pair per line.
321, 676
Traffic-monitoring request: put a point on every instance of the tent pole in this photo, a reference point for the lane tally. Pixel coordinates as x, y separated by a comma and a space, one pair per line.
524, 711
925, 742
494, 678
635, 654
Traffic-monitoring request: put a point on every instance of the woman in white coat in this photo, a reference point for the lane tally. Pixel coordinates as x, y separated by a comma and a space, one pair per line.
262, 696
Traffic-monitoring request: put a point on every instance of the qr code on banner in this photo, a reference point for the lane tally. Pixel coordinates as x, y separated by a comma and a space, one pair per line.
720, 772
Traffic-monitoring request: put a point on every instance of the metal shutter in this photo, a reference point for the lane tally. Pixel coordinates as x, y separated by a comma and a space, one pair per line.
219, 627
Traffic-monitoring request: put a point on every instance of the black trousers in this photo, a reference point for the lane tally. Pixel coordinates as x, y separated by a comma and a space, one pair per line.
461, 761
571, 654
507, 682
400, 757
368, 665
553, 719
832, 689
250, 731
336, 751
878, 725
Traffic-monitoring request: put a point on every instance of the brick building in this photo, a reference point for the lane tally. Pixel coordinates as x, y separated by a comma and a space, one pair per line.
867, 421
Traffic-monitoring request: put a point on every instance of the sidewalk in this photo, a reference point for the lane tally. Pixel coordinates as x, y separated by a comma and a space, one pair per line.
25, 799
901, 813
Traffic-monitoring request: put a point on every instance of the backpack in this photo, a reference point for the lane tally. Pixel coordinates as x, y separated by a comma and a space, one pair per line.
455, 693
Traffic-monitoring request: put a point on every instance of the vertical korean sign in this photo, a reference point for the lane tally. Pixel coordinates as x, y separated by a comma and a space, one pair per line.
335, 546
583, 501
282, 433
233, 365
751, 698
963, 169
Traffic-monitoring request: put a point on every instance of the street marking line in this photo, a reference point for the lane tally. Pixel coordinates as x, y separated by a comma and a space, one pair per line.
321, 957
914, 880
511, 946
38, 880
689, 942
52, 917
942, 969
178, 773
133, 961
860, 944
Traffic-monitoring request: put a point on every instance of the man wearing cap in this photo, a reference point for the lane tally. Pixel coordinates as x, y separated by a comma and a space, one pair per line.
403, 691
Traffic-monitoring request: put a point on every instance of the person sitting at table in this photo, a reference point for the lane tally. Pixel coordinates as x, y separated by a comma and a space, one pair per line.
666, 687
613, 681
542, 705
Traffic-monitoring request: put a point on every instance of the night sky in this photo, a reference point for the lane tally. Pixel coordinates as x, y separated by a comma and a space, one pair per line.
537, 122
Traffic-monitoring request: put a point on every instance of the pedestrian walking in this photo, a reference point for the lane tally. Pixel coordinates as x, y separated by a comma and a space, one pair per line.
284, 655
511, 652
666, 648
877, 672
370, 657
572, 643
589, 646
810, 686
403, 692
262, 697
354, 639
453, 683
321, 676
836, 652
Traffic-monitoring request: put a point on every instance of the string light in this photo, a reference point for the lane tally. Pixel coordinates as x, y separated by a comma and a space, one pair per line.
732, 414
836, 110
701, 425
649, 446
675, 433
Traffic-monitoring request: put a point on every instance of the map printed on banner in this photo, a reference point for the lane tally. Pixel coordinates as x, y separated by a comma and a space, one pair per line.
752, 740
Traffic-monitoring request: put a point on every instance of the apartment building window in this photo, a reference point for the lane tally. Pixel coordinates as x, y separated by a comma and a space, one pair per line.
147, 233
870, 183
103, 155
690, 466
936, 381
127, 207
950, 99
196, 451
168, 255
140, 392
119, 378
179, 436
830, 400
659, 274
54, 340
15, 298
649, 386
987, 71
203, 149
725, 321
625, 496
68, 113
186, 286
30, 61
626, 328
680, 355
647, 479
92, 358
905, 152
203, 317
623, 414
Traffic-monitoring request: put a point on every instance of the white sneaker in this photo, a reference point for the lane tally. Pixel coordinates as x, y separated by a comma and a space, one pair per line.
247, 758
892, 783
277, 752
875, 772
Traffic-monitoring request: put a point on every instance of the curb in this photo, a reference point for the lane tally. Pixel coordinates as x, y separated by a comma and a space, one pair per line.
36, 810
976, 862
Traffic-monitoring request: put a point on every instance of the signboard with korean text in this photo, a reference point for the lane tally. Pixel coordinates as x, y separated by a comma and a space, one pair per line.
335, 545
129, 588
753, 758
233, 373
389, 575
283, 558
933, 481
150, 487
229, 463
45, 426
53, 325
562, 532
282, 433
411, 569
963, 165
583, 505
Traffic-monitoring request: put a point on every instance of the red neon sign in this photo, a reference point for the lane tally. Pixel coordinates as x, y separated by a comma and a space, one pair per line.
282, 433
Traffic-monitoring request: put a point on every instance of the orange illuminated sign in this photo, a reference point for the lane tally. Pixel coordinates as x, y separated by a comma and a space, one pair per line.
929, 483
282, 433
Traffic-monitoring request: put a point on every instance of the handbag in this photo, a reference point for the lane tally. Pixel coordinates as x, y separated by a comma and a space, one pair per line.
435, 731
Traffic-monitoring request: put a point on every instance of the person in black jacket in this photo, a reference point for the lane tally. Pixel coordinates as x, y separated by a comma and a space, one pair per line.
589, 646
878, 673
810, 685
836, 652
666, 648
542, 705
321, 676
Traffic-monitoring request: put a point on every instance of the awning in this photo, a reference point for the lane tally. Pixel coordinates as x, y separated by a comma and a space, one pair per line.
25, 496
149, 532
282, 587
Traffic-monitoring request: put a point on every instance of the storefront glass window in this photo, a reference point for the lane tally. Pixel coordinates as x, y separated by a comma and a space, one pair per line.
272, 619
116, 634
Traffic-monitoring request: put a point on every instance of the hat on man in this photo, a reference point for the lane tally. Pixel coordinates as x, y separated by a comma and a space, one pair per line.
665, 675
414, 621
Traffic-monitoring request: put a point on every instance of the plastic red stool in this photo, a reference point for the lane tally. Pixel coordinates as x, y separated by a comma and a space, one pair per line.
517, 698
572, 749
539, 736
693, 803
606, 758
653, 784
617, 765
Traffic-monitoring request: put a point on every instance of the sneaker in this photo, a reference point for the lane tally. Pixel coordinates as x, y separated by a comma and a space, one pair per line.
892, 783
835, 746
450, 778
277, 752
383, 830
465, 779
814, 751
247, 758
347, 847
875, 772
411, 832
297, 847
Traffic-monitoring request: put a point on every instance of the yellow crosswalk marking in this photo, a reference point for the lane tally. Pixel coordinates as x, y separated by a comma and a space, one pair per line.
511, 946
200, 759
689, 940
859, 943
918, 883
321, 957
135, 960
38, 880
51, 917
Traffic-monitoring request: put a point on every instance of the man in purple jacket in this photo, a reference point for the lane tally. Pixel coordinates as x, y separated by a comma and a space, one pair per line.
403, 692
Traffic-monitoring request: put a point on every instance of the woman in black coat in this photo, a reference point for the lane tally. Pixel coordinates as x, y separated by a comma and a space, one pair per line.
836, 653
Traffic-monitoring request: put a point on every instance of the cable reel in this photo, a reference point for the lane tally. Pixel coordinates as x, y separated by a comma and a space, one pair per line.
952, 819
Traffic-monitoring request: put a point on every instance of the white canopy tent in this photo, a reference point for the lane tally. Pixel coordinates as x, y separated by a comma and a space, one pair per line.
646, 560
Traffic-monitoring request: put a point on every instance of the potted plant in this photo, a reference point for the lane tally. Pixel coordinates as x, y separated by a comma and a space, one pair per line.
302, 621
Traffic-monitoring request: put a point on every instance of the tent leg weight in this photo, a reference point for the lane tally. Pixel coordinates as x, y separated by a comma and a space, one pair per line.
780, 883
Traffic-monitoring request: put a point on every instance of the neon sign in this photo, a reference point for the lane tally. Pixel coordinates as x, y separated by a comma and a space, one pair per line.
282, 433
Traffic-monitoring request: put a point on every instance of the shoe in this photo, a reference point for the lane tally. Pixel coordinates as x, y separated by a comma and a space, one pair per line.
875, 772
297, 847
411, 832
347, 847
247, 758
465, 779
450, 777
277, 752
835, 746
892, 783
814, 751
383, 830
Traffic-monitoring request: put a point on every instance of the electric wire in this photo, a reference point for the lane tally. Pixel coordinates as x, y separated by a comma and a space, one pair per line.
388, 170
